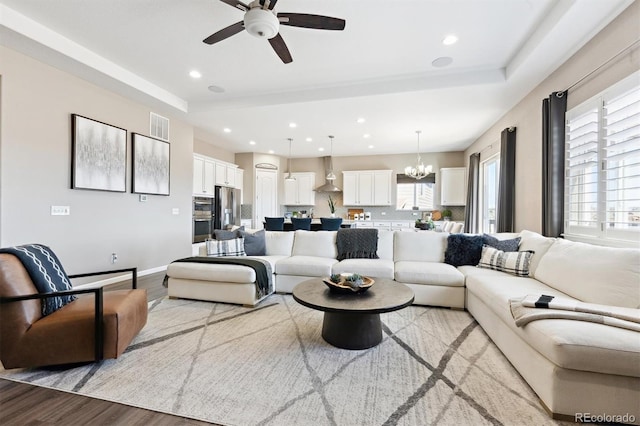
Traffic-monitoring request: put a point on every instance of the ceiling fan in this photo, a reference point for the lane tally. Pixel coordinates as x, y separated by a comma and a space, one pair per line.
260, 21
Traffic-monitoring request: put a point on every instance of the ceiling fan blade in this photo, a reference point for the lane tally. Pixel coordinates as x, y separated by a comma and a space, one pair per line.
317, 22
237, 4
281, 49
225, 33
272, 4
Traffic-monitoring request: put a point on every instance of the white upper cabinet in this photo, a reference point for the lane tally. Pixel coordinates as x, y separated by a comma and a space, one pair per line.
300, 192
367, 188
209, 172
453, 186
240, 183
203, 176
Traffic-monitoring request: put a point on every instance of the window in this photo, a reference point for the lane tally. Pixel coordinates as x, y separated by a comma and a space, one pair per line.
602, 180
490, 175
412, 194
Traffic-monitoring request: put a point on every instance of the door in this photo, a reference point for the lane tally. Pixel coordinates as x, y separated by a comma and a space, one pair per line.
266, 197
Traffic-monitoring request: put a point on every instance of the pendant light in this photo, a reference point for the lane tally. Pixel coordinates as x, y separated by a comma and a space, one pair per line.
330, 174
289, 177
419, 170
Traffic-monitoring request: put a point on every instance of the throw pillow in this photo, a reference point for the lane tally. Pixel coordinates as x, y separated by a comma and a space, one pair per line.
463, 249
234, 247
515, 263
504, 245
254, 244
222, 234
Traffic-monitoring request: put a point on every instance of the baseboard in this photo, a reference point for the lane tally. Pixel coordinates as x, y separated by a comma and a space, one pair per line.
120, 278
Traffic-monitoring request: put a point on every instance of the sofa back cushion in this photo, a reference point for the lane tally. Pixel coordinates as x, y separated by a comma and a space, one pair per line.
593, 274
278, 243
419, 246
531, 241
315, 243
385, 244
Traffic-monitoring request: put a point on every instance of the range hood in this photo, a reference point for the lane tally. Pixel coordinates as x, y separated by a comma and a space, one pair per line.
328, 186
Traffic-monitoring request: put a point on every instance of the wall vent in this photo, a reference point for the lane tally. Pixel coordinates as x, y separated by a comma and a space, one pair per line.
159, 127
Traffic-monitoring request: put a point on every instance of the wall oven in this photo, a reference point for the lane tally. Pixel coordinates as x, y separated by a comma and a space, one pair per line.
203, 218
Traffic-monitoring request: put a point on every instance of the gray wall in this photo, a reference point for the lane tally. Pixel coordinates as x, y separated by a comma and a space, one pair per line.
35, 146
527, 114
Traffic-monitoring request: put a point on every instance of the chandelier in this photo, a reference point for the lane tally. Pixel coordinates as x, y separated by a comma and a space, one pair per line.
330, 174
419, 170
289, 176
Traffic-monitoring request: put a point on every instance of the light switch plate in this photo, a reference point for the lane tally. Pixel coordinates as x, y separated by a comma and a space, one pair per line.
60, 210
175, 211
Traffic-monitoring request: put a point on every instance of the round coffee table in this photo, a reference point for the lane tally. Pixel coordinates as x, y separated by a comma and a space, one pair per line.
352, 321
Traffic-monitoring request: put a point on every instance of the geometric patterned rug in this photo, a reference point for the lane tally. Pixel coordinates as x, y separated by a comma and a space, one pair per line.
270, 366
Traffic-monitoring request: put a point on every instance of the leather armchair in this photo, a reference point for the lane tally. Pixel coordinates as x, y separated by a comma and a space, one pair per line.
97, 325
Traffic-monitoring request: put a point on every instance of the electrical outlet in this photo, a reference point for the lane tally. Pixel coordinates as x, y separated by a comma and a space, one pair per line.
143, 198
383, 213
175, 211
114, 257
60, 210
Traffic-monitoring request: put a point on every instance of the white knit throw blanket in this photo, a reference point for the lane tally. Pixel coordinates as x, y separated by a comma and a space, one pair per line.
536, 307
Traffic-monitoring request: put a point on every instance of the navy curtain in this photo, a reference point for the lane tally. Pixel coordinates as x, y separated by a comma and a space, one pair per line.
553, 134
471, 215
506, 185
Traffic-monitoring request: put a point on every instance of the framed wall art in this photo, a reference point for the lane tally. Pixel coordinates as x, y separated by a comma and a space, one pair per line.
150, 172
99, 155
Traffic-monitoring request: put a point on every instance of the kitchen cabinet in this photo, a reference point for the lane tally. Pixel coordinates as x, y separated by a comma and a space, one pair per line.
225, 174
203, 176
453, 186
367, 188
299, 192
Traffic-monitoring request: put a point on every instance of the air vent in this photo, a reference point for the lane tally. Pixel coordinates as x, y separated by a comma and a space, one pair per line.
159, 127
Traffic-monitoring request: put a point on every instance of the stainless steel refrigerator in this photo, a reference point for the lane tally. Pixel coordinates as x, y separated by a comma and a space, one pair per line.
227, 207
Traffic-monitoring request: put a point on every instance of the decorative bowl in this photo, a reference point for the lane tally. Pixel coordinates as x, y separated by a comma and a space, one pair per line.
344, 288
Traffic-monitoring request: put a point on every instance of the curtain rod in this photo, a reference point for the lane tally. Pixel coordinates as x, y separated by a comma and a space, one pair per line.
602, 65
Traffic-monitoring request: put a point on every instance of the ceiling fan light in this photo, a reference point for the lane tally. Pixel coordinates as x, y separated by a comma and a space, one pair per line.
261, 23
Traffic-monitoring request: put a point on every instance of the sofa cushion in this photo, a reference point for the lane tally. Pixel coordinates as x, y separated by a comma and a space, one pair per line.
315, 243
419, 246
233, 247
590, 273
211, 272
504, 245
385, 244
531, 241
254, 243
512, 262
381, 268
278, 243
432, 273
305, 266
271, 259
463, 249
576, 345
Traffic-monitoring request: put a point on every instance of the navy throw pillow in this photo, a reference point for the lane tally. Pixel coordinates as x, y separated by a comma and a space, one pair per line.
463, 249
502, 245
254, 244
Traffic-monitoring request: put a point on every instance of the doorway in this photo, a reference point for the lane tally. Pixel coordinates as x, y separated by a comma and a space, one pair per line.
266, 196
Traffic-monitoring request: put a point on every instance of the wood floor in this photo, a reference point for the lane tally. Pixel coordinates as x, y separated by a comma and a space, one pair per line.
26, 405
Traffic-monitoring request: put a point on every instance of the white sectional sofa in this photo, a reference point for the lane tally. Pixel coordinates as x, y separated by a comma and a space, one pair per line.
575, 367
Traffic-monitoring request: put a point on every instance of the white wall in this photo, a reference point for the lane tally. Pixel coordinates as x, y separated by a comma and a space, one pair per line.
527, 114
35, 172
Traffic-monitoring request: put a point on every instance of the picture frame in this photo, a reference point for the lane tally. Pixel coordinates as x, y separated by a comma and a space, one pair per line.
151, 159
98, 155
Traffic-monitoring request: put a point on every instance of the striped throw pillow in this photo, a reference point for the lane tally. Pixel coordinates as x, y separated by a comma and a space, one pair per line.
515, 262
233, 247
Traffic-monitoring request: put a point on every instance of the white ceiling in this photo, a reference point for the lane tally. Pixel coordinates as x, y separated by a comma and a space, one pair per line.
379, 68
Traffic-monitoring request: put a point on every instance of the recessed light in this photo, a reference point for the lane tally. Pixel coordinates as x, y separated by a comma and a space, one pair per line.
366, 136
442, 62
271, 151
226, 130
215, 89
321, 149
293, 125
361, 120
309, 139
450, 39
195, 74
252, 142
370, 147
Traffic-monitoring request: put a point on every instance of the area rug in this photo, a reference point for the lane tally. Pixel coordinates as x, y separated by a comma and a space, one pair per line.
270, 366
